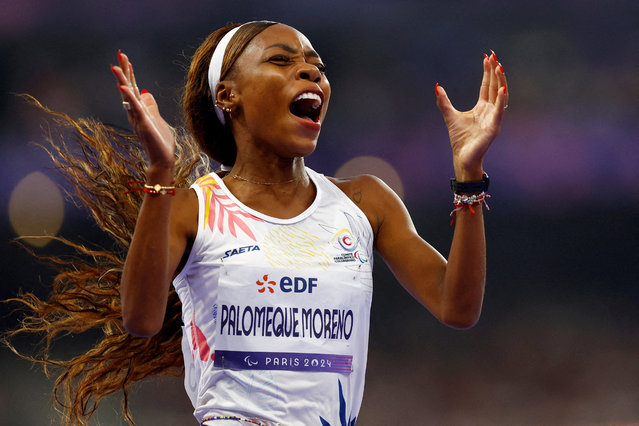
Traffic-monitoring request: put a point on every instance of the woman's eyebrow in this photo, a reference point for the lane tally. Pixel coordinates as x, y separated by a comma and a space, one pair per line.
294, 51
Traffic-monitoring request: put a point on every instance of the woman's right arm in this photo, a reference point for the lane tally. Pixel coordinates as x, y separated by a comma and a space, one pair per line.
165, 223
164, 227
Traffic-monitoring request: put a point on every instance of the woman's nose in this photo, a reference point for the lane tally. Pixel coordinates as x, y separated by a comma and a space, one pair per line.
309, 72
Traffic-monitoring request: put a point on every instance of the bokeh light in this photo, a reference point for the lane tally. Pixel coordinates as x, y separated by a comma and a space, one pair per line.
374, 166
36, 209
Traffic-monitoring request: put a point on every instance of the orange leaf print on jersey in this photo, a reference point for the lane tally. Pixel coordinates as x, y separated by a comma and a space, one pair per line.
219, 206
198, 342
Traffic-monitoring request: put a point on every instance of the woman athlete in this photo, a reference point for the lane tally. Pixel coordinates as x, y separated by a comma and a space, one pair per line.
271, 261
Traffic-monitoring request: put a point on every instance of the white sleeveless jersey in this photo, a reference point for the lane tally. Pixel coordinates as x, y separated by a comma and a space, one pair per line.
276, 311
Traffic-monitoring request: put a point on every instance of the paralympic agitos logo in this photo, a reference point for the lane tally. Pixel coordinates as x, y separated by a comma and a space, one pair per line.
286, 284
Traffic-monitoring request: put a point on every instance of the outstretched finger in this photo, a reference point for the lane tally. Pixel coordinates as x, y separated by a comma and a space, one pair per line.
501, 102
122, 82
119, 75
132, 104
134, 84
444, 104
123, 61
127, 70
502, 83
485, 81
494, 80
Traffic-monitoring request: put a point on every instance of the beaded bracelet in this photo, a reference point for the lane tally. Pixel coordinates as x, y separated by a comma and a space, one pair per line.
242, 419
156, 189
460, 201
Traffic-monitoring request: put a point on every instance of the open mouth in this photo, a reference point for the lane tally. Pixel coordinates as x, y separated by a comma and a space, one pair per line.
307, 105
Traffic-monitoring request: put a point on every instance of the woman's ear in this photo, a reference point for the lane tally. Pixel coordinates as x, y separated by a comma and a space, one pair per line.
225, 96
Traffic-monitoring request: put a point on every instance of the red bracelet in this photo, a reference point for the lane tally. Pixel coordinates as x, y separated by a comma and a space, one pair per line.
156, 189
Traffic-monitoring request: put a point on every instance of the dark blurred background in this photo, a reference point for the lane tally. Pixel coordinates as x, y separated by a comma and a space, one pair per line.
558, 340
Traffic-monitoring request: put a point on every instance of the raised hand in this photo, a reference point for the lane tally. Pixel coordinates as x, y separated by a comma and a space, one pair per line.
472, 132
155, 134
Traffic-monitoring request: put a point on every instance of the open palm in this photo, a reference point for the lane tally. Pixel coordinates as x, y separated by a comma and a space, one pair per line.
472, 132
153, 131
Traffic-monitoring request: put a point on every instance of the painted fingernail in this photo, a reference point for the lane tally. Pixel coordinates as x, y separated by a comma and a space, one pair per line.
144, 91
119, 56
436, 89
494, 56
112, 69
501, 68
121, 88
485, 56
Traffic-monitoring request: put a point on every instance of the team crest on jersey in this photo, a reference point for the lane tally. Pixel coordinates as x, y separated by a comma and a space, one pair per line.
345, 240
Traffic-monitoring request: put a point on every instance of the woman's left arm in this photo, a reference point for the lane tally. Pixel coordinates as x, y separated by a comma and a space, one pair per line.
452, 290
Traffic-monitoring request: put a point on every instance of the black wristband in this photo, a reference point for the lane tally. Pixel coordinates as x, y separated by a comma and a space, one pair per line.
470, 187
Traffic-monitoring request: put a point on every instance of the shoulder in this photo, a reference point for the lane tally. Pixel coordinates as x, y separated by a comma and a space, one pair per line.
355, 186
370, 194
184, 211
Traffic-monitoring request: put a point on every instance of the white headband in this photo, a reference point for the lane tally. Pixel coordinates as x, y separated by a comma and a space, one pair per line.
215, 68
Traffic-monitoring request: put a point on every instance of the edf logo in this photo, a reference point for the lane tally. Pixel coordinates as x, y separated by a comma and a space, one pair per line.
287, 284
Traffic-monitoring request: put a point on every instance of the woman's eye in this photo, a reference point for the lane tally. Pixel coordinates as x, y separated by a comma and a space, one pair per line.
284, 59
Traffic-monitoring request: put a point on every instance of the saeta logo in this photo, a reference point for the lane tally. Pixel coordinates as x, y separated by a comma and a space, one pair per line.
287, 284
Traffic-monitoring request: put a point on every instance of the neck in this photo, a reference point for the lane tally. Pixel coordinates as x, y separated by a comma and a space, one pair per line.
283, 193
279, 172
255, 182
